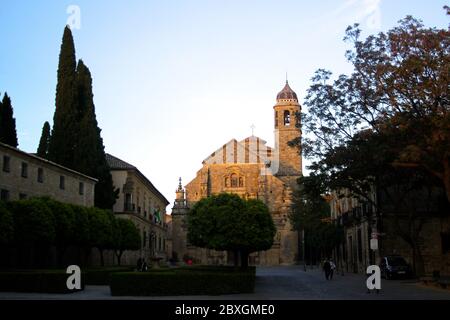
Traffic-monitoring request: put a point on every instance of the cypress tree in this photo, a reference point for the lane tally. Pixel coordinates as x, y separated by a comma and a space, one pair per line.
63, 140
8, 132
42, 150
90, 154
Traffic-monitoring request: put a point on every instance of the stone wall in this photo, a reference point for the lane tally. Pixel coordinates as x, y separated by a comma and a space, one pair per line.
19, 185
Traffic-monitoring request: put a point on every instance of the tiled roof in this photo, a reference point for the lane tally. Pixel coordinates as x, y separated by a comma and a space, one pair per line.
35, 157
116, 163
287, 93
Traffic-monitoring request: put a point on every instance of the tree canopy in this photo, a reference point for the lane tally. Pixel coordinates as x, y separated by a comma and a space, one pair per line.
310, 214
228, 222
386, 126
391, 112
75, 141
44, 142
8, 133
126, 237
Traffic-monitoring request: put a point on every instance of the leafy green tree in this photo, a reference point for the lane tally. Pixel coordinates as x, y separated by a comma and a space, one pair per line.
399, 88
6, 225
386, 126
64, 226
75, 141
227, 222
44, 142
126, 237
65, 133
310, 214
8, 134
34, 230
90, 157
82, 237
100, 230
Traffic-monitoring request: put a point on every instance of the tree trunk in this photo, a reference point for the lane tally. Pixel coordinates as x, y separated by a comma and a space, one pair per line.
236, 258
86, 253
418, 263
119, 256
102, 260
244, 259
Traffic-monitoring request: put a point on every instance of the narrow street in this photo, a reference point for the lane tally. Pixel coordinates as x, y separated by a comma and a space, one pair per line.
286, 283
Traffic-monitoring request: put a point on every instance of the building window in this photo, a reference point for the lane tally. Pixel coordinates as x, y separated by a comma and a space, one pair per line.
40, 175
287, 118
81, 188
6, 163
62, 182
22, 196
128, 206
4, 195
24, 170
234, 180
241, 182
276, 119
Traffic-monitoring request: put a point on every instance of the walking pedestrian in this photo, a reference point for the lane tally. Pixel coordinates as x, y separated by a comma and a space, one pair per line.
327, 268
332, 268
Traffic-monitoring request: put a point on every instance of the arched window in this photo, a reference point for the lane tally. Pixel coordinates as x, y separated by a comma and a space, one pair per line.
276, 119
234, 180
287, 118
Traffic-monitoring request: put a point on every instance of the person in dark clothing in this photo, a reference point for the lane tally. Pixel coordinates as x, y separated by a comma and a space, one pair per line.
332, 268
139, 264
327, 269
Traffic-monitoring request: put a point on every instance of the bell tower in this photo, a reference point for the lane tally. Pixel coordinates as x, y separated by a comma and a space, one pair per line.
287, 128
179, 227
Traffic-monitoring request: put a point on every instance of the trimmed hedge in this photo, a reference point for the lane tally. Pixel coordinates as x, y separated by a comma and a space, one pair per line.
43, 281
102, 276
250, 269
181, 282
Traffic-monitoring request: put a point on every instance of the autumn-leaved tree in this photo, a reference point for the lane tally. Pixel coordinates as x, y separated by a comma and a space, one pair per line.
398, 91
386, 126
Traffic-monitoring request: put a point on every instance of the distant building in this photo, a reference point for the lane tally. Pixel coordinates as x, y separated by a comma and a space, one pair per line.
24, 175
359, 221
142, 203
398, 219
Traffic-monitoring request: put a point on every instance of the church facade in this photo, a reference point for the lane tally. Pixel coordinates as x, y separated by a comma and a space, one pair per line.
251, 169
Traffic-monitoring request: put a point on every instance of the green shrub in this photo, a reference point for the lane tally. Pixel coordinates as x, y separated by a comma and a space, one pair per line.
102, 276
181, 282
43, 281
250, 269
33, 221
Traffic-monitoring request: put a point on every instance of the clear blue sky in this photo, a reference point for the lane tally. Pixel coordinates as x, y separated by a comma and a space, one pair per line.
174, 80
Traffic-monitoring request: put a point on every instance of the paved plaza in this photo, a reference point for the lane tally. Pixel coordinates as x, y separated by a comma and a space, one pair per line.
287, 283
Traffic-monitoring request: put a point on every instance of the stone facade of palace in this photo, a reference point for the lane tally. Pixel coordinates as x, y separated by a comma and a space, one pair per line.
251, 169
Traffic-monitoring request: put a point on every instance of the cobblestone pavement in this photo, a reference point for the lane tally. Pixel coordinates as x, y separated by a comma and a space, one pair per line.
287, 283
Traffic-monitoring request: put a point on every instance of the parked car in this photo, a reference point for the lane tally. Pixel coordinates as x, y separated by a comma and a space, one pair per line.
395, 267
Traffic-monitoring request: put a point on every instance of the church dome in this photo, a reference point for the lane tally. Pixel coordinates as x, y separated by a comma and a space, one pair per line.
287, 93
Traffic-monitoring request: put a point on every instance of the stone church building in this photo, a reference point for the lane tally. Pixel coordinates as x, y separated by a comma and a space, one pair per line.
251, 169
